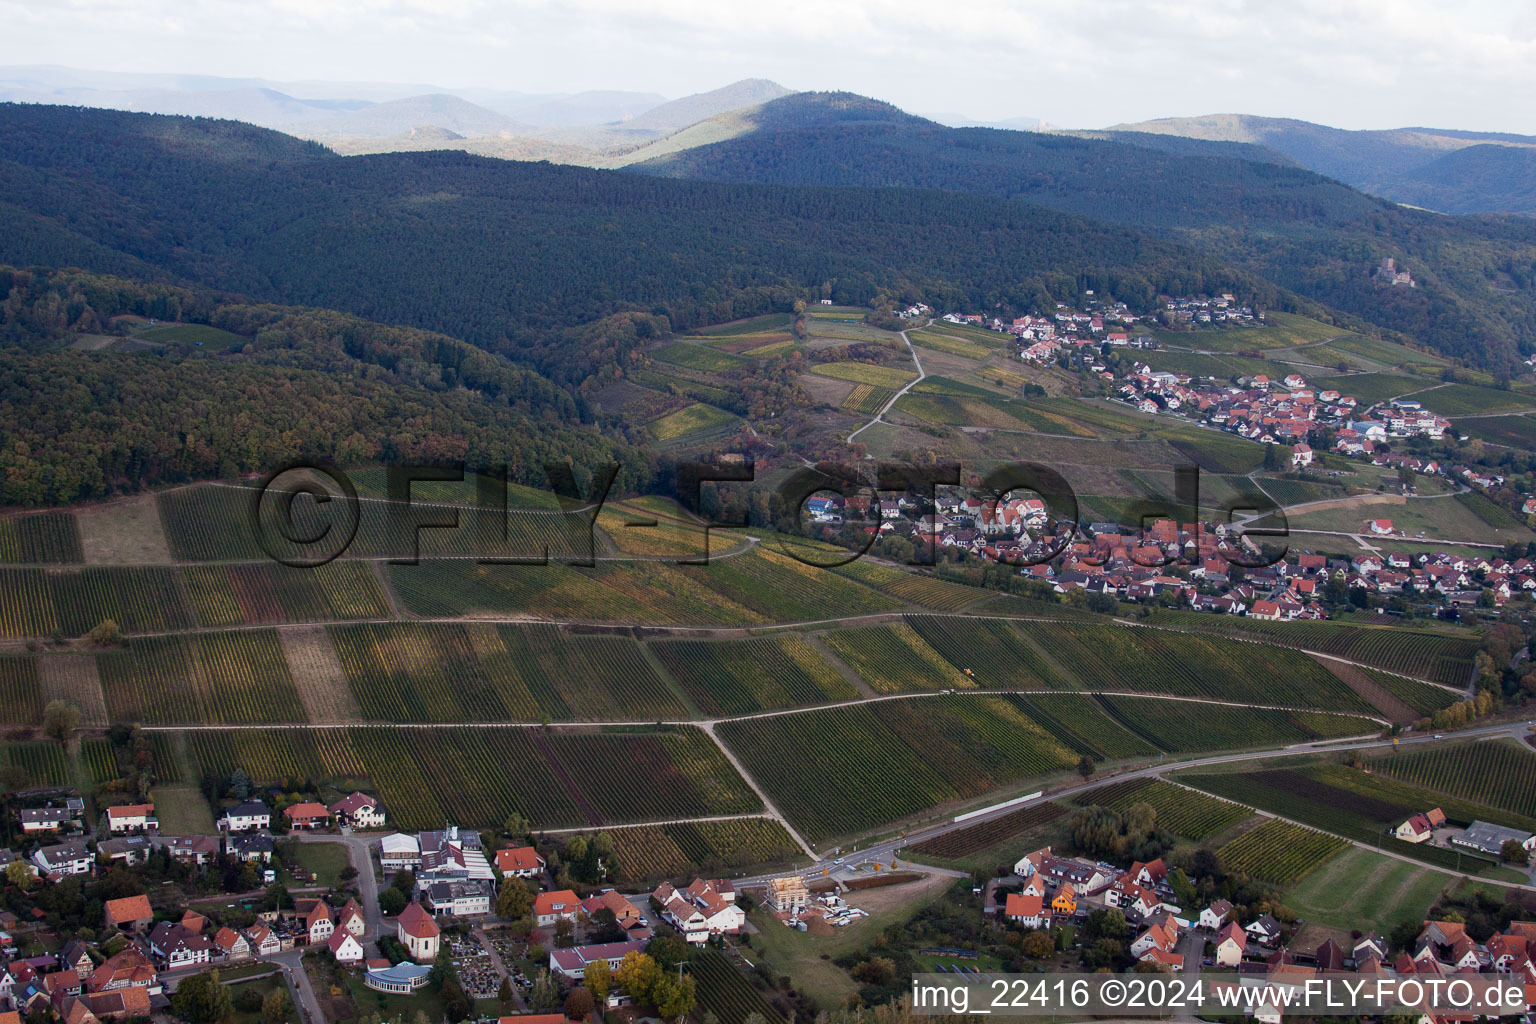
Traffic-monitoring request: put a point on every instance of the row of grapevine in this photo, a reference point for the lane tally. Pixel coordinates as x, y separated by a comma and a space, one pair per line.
1184, 726
1501, 773
784, 589
1080, 722
893, 658
39, 602
1119, 658
991, 651
45, 762
21, 693
724, 992
1279, 852
40, 538
648, 853
269, 592
1343, 802
478, 776
740, 676
1178, 809
849, 769
914, 588
439, 672
1437, 656
205, 678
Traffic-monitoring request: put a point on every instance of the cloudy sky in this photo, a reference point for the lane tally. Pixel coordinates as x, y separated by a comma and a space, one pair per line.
1349, 63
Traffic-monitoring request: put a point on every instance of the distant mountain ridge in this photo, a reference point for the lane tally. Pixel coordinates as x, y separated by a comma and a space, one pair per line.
1387, 162
1240, 199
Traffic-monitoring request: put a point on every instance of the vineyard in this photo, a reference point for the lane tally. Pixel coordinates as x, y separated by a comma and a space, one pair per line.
894, 659
269, 592
783, 589
866, 399
865, 373
629, 593
973, 839
1080, 722
725, 992
43, 537
650, 853
104, 763
1179, 810
997, 655
914, 588
849, 769
26, 604
21, 694
1437, 657
422, 672
212, 678
1500, 773
139, 600
726, 677
45, 761
1182, 726
1279, 852
477, 776
1344, 802
1117, 658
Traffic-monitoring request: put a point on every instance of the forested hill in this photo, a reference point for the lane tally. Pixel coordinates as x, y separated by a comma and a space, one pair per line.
286, 384
1316, 236
502, 253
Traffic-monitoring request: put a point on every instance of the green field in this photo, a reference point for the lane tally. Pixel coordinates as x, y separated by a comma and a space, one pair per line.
192, 335
865, 373
698, 357
1366, 891
692, 419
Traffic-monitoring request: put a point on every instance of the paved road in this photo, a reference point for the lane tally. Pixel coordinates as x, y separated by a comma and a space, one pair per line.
886, 850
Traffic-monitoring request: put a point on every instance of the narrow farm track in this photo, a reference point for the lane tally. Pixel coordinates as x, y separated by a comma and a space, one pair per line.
921, 374
709, 724
866, 619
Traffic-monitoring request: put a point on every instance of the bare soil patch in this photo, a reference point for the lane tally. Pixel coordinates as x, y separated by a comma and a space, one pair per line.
318, 675
124, 532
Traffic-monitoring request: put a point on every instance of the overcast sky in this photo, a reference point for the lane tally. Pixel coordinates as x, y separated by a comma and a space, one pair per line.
1076, 63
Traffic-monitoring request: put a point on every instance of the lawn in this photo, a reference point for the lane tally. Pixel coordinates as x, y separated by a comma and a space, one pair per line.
324, 861
1367, 891
182, 811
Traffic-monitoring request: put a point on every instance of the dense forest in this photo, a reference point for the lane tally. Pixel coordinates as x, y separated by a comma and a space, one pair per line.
1315, 236
308, 384
507, 255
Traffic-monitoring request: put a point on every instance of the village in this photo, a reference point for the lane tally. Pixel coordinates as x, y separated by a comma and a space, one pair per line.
413, 910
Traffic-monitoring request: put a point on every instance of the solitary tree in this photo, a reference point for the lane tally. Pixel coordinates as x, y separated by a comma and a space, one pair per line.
578, 1004
60, 718
513, 901
1085, 766
105, 634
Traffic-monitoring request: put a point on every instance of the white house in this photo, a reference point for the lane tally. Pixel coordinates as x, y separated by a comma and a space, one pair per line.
1215, 915
131, 818
345, 947
246, 817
